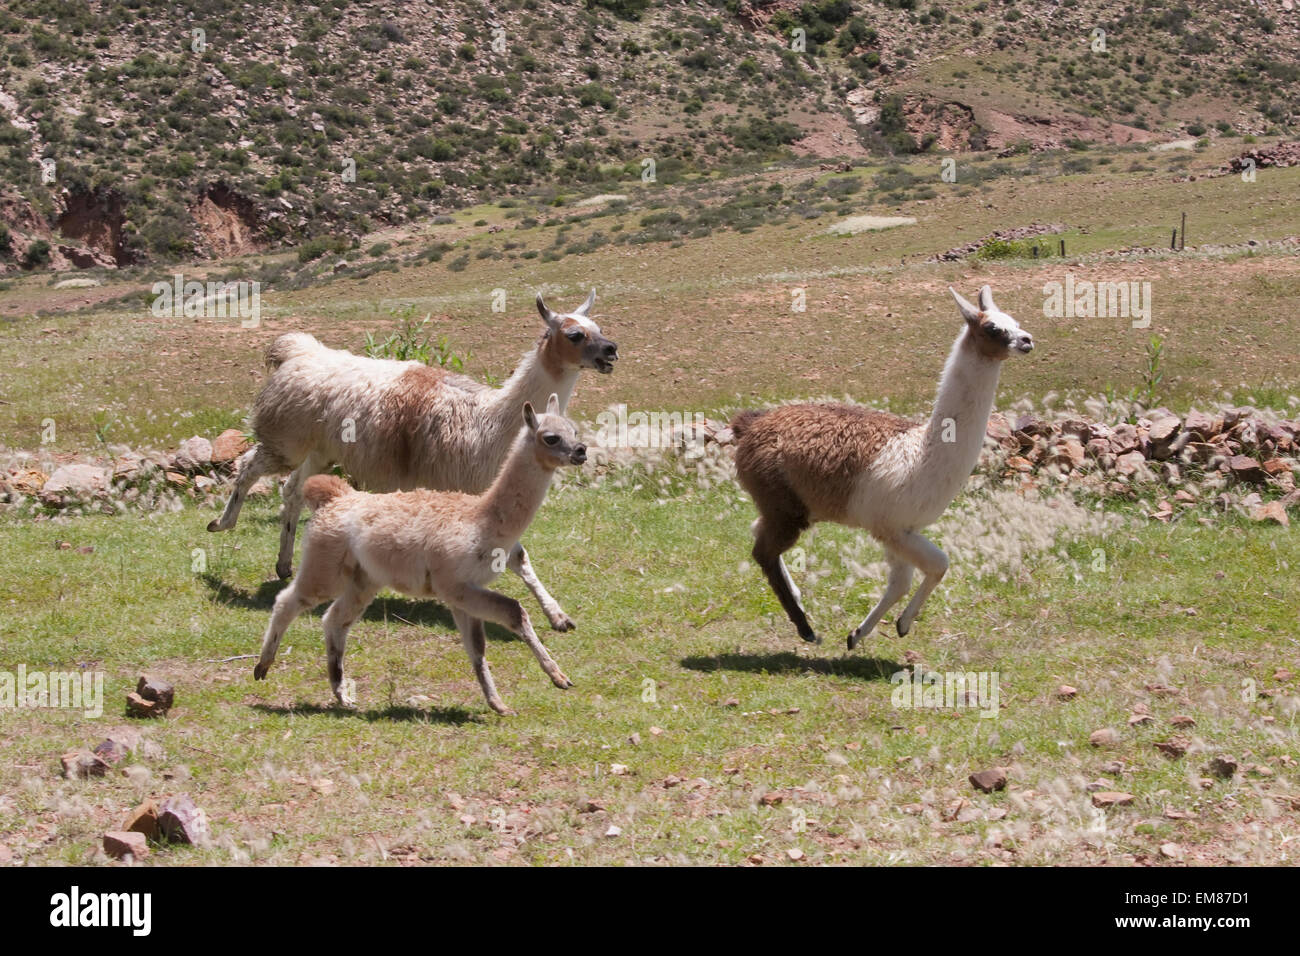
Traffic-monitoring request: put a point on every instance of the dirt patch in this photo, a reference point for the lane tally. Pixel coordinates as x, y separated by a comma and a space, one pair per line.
1045, 132
227, 223
94, 218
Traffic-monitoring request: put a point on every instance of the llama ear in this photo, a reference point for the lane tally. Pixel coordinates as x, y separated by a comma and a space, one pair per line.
530, 418
553, 404
968, 311
986, 300
586, 306
548, 316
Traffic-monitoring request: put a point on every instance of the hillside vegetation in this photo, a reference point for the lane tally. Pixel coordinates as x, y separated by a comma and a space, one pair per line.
205, 129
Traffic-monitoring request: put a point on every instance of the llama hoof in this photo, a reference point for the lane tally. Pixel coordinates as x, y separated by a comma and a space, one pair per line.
562, 682
810, 637
215, 525
259, 671
284, 571
562, 622
854, 637
346, 702
902, 628
500, 707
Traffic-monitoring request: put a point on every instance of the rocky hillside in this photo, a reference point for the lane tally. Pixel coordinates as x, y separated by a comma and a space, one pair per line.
146, 130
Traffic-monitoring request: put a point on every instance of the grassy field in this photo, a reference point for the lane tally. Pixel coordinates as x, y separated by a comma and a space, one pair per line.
700, 728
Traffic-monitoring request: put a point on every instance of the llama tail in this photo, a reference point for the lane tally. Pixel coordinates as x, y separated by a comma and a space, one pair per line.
742, 422
288, 346
320, 490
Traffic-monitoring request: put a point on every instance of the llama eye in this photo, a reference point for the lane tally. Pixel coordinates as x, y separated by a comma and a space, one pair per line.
551, 439
576, 335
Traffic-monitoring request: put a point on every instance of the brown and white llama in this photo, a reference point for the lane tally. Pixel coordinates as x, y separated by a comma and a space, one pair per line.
427, 544
402, 425
868, 469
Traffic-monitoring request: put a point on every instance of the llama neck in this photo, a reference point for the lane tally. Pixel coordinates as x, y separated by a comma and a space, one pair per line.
517, 491
532, 382
969, 384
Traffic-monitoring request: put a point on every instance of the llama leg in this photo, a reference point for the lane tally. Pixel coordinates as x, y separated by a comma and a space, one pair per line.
931, 562
488, 605
252, 465
900, 579
475, 641
288, 605
290, 511
772, 538
342, 614
518, 563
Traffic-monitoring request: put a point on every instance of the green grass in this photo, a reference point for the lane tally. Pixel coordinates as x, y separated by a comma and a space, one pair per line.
658, 580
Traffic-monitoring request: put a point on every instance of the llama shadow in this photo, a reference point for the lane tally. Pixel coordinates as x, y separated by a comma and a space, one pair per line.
394, 713
786, 662
403, 610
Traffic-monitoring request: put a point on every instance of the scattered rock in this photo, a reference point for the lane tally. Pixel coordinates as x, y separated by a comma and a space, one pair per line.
772, 798
144, 819
1066, 692
1173, 748
1271, 511
1105, 737
794, 853
151, 698
1111, 798
1171, 850
111, 751
180, 821
193, 453
986, 781
228, 446
1182, 720
1247, 469
1223, 766
120, 844
80, 765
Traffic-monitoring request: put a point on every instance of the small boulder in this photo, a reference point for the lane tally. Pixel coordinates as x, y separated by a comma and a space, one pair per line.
80, 765
1111, 798
180, 821
986, 781
228, 446
1245, 468
120, 844
158, 691
193, 453
144, 820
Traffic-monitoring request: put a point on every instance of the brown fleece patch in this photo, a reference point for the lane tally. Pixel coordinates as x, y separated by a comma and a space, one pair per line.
990, 340
322, 489
815, 452
402, 410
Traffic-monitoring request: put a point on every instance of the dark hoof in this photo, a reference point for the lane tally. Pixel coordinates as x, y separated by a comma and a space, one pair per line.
214, 525
854, 637
902, 632
565, 624
259, 672
284, 574
810, 637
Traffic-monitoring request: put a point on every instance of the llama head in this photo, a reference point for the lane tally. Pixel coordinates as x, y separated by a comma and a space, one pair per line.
554, 437
574, 341
996, 334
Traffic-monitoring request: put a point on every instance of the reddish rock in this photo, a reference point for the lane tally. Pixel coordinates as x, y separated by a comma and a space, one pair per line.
120, 844
987, 781
229, 445
1111, 798
1271, 511
1245, 468
180, 821
80, 765
144, 820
